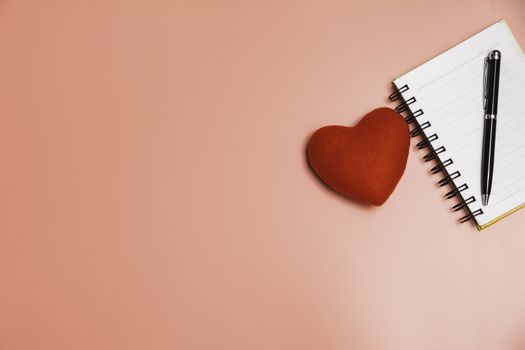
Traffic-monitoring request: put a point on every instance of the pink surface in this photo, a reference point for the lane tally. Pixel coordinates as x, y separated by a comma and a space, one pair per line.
155, 194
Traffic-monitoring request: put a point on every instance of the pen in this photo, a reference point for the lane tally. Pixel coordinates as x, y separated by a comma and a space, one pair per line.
491, 87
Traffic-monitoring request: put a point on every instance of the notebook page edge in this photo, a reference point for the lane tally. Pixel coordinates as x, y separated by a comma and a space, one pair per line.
493, 221
433, 59
514, 40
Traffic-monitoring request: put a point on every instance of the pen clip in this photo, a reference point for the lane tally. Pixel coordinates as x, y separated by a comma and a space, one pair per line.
485, 66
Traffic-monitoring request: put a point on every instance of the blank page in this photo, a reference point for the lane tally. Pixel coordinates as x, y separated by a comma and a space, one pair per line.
449, 90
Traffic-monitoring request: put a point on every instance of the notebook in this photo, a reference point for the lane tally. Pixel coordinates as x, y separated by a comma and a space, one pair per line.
443, 99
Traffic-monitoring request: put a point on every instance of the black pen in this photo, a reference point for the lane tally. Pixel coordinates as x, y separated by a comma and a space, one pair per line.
491, 87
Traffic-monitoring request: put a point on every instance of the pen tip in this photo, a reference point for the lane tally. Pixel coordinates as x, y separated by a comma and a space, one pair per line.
485, 199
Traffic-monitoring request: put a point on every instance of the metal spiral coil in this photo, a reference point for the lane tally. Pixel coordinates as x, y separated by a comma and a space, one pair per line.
471, 216
427, 142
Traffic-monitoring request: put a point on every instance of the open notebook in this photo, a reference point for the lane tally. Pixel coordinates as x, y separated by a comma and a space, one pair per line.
444, 99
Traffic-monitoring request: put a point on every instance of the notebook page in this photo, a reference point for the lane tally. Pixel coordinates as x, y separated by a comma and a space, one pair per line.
449, 90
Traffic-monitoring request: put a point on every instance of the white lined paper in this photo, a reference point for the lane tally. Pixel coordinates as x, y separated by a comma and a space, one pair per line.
449, 90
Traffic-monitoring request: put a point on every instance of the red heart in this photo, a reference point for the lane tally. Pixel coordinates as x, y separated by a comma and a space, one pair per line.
364, 162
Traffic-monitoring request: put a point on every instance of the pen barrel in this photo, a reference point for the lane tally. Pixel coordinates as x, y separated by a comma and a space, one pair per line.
487, 161
493, 67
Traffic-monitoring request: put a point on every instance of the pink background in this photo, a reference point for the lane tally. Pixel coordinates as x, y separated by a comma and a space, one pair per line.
155, 194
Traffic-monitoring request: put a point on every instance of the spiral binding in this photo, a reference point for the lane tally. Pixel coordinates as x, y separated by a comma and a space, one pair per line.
432, 154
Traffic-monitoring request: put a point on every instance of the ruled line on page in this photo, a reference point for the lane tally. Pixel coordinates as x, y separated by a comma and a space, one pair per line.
452, 70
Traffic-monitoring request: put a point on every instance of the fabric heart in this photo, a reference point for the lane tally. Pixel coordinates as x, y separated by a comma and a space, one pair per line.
364, 162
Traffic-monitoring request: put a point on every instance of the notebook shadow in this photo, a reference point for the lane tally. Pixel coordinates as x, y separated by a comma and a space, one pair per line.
324, 187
